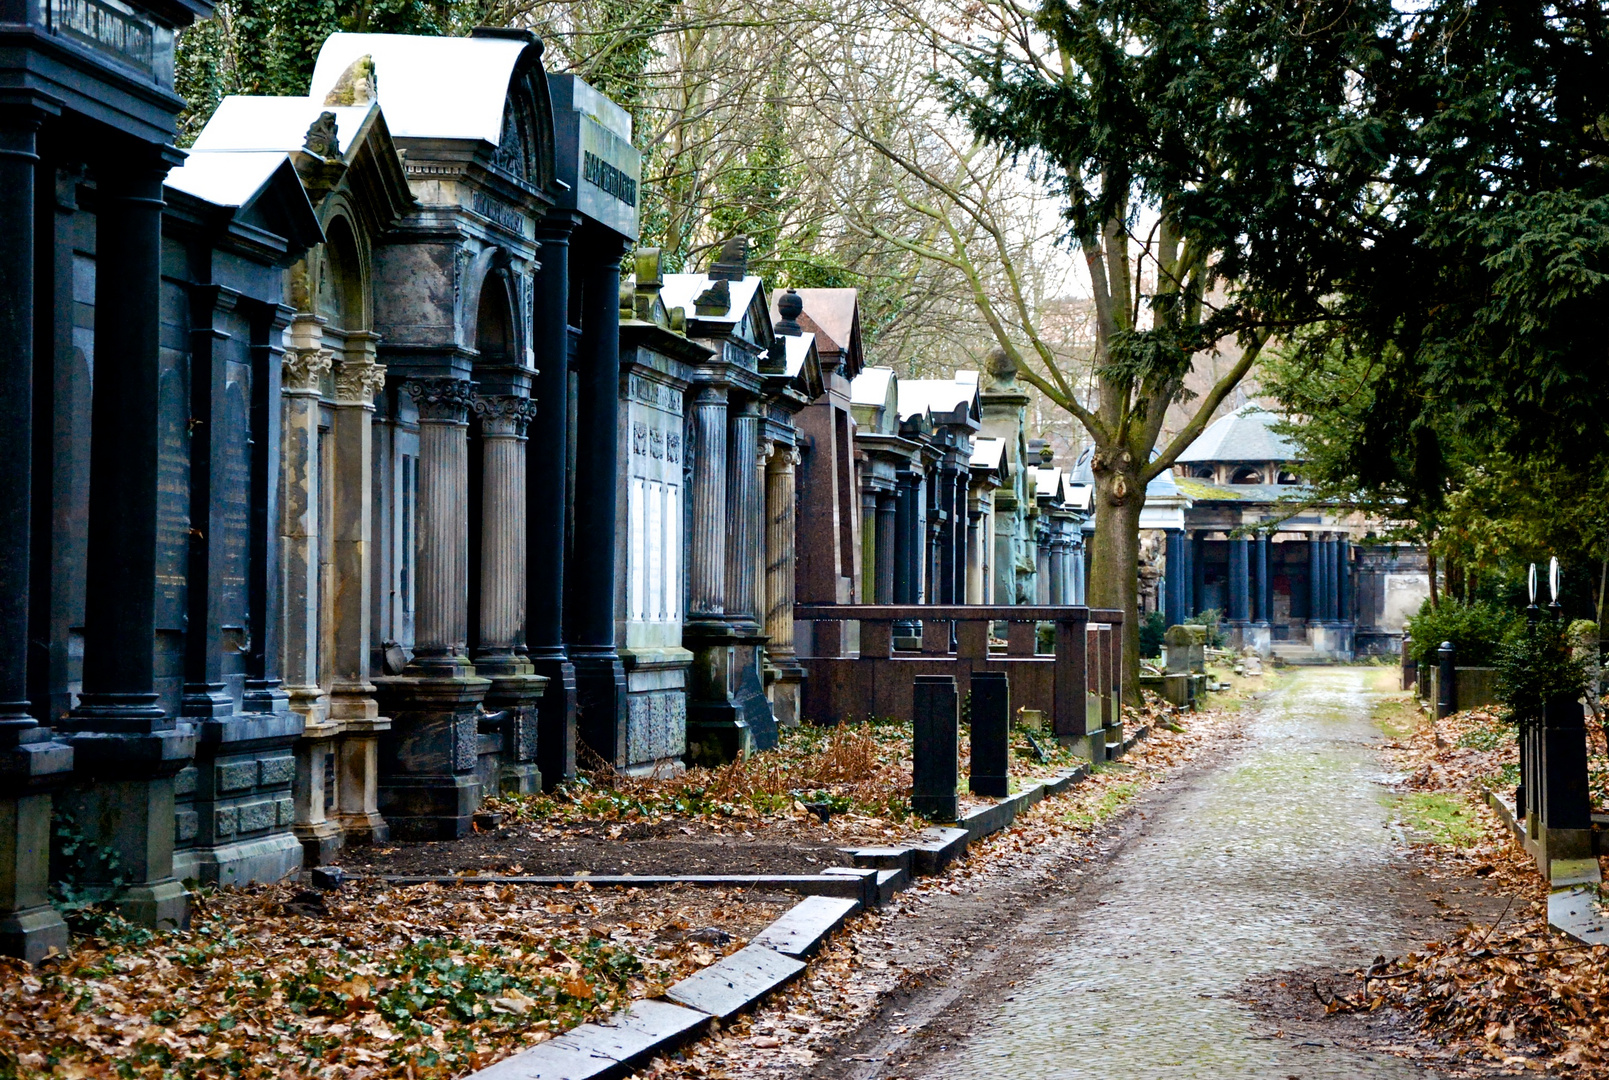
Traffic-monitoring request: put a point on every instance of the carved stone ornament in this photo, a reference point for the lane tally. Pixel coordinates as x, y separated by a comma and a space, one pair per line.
322, 139
442, 399
303, 368
504, 414
357, 381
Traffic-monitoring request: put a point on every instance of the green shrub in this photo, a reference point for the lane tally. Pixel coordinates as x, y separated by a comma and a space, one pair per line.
1536, 664
1476, 631
1152, 629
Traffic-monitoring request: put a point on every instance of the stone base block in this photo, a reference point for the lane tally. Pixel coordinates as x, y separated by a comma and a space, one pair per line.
523, 779
1259, 638
364, 828
161, 905
33, 934
716, 735
937, 807
430, 807
267, 858
1091, 747
321, 843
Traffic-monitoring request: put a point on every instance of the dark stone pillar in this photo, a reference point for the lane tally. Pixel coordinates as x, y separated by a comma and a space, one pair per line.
884, 546
1198, 573
936, 753
1446, 681
124, 746
1315, 579
1173, 604
547, 450
589, 588
991, 735
1265, 600
1239, 580
958, 536
31, 762
1343, 579
746, 509
1327, 557
907, 549
945, 591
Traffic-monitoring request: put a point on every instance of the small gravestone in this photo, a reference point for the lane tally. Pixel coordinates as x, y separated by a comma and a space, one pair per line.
936, 767
991, 734
1187, 649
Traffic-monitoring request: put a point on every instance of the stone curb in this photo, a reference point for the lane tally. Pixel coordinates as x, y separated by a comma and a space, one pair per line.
774, 957
1572, 896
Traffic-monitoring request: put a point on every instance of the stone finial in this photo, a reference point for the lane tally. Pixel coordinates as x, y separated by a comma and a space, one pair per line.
322, 140
1047, 456
733, 262
356, 86
649, 267
1000, 371
790, 307
715, 300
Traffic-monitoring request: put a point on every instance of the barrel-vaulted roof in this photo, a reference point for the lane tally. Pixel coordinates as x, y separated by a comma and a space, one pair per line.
1247, 434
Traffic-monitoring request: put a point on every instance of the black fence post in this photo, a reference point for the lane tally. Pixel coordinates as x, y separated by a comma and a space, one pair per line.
991, 734
1410, 666
1566, 808
1446, 676
936, 750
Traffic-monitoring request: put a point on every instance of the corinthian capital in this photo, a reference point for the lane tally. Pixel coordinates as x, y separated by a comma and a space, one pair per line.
441, 399
504, 414
303, 368
358, 380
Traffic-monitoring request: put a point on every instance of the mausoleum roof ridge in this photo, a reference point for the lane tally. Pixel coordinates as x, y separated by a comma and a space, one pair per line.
246, 123
1246, 434
681, 290
870, 387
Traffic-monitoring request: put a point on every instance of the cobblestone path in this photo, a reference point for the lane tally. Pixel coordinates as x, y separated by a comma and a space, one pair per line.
1279, 857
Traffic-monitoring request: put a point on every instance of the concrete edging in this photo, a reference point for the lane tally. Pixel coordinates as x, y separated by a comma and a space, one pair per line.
774, 957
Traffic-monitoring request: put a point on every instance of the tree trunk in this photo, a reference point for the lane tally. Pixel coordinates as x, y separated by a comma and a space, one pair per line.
1435, 601
1114, 573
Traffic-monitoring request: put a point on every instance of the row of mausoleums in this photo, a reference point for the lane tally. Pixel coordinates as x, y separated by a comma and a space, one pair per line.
359, 467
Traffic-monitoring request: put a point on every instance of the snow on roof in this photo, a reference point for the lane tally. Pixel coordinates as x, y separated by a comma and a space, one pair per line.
431, 87
680, 290
232, 179
870, 387
831, 311
934, 396
1047, 482
1244, 435
244, 123
988, 452
795, 352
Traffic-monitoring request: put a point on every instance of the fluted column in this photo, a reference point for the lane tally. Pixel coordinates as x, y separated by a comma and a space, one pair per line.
1315, 579
868, 544
441, 625
1239, 580
502, 557
706, 570
780, 555
1265, 599
744, 512
1343, 580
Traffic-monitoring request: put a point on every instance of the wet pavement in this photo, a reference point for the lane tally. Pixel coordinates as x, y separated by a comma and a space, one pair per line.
1279, 857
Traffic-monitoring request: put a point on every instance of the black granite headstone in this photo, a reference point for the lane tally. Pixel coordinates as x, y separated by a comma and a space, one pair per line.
991, 734
936, 769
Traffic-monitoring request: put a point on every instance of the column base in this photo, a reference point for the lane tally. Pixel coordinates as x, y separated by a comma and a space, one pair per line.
656, 707
787, 691
33, 934
429, 788
160, 905
555, 721
321, 843
600, 706
717, 734
1091, 747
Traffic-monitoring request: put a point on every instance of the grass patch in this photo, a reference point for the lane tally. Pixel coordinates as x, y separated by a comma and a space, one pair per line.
1487, 732
1397, 715
1444, 818
1109, 801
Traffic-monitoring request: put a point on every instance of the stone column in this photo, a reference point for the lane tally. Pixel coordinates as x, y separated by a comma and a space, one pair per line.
744, 512
1343, 578
31, 762
353, 703
1239, 580
868, 543
589, 586
1174, 599
907, 548
779, 582
429, 787
974, 560
1329, 578
884, 531
546, 505
441, 627
1053, 563
503, 546
1265, 599
1315, 579
303, 367
126, 749
944, 592
706, 566
1198, 574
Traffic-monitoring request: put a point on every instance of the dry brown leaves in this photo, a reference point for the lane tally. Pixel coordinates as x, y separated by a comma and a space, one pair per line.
366, 982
